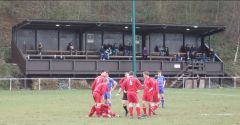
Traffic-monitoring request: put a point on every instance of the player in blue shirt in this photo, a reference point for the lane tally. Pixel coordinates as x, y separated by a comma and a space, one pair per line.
112, 84
161, 84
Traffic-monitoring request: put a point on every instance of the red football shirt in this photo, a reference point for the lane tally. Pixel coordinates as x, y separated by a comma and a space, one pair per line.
97, 80
122, 80
101, 88
131, 84
148, 84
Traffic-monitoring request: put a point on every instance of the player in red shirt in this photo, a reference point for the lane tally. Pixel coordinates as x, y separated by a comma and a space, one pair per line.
98, 92
124, 98
147, 98
99, 79
132, 85
156, 99
105, 111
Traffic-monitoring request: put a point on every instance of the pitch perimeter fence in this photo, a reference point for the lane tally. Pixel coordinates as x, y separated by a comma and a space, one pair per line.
84, 83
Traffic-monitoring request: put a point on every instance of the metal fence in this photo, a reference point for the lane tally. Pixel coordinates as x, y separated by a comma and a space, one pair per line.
83, 83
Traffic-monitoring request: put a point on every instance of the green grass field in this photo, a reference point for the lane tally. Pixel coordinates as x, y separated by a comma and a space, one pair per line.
69, 107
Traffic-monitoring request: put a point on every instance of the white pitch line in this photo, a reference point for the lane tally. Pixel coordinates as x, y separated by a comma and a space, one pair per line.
221, 94
218, 114
213, 94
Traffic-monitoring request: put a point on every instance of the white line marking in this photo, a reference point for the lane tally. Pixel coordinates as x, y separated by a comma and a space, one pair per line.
219, 114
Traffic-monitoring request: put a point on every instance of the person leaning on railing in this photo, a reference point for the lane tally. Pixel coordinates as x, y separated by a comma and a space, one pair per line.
40, 46
212, 55
70, 48
178, 57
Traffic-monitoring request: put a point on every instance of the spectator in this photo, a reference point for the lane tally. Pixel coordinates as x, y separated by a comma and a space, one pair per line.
204, 58
166, 51
121, 49
161, 49
114, 49
130, 49
187, 56
126, 50
212, 55
178, 57
156, 49
187, 48
144, 53
70, 48
108, 52
101, 51
40, 46
193, 55
182, 49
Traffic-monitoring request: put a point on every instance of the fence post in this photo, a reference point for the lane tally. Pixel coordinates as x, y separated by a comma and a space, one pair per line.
209, 82
235, 82
10, 84
39, 84
183, 84
69, 83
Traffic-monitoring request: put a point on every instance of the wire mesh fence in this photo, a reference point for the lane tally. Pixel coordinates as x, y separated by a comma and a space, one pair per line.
85, 83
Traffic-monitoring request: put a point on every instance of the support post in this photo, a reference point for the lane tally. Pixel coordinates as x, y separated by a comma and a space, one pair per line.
235, 82
69, 83
134, 38
10, 84
183, 83
209, 82
39, 84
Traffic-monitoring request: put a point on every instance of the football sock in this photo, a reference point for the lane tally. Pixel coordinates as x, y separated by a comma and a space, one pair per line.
153, 109
126, 110
162, 101
131, 111
138, 111
144, 110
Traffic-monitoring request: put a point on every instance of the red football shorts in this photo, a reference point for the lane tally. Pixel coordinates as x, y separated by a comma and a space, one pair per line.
155, 97
132, 97
97, 97
147, 97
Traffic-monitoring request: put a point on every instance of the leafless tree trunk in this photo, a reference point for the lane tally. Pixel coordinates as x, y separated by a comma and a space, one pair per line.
236, 54
218, 5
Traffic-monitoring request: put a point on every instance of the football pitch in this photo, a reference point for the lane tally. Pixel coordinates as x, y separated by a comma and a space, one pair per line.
69, 107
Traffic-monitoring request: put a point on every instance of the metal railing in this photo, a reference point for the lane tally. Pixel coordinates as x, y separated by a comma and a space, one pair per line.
78, 83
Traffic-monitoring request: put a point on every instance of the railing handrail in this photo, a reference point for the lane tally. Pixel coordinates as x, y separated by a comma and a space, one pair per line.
237, 77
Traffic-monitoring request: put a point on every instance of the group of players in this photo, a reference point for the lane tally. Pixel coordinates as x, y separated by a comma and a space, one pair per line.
153, 90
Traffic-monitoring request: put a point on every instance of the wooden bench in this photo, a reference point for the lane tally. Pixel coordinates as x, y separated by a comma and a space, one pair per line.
123, 57
169, 58
56, 52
